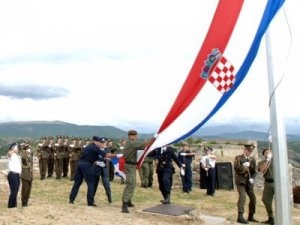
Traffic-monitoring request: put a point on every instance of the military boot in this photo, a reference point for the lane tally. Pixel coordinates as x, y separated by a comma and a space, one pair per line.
109, 198
251, 218
130, 204
166, 200
124, 208
241, 219
269, 221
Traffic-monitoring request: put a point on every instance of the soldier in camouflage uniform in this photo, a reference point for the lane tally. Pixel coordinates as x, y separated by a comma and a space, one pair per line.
265, 167
43, 156
58, 156
75, 152
51, 156
66, 157
130, 153
26, 172
245, 171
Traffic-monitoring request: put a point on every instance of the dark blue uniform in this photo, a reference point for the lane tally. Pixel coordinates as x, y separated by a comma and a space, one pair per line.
187, 182
103, 172
165, 170
84, 170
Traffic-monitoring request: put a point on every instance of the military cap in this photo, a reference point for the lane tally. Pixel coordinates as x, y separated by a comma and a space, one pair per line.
50, 138
66, 137
249, 146
109, 139
87, 139
102, 139
78, 138
13, 145
132, 132
44, 138
73, 138
59, 137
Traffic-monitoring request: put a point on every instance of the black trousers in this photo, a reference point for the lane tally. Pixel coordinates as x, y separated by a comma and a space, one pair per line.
14, 184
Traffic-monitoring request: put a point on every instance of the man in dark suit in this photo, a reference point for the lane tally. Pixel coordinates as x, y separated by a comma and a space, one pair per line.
164, 156
245, 171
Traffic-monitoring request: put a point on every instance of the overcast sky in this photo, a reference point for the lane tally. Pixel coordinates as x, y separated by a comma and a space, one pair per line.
122, 63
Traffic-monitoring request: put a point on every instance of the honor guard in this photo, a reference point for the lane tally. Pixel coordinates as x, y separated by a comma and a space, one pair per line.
66, 157
58, 156
245, 171
51, 156
27, 171
43, 156
75, 152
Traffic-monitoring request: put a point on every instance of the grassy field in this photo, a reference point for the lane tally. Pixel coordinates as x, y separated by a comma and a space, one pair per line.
49, 205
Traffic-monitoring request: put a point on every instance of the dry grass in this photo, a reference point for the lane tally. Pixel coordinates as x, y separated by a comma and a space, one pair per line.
49, 205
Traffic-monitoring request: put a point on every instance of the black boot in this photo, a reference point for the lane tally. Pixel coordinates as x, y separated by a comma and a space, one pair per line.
166, 200
109, 198
251, 218
241, 219
270, 221
130, 204
124, 208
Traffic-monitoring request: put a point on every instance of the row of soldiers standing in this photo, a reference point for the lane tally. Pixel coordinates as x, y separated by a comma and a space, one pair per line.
57, 155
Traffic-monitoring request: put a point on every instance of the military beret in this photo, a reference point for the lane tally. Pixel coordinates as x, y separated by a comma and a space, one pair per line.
132, 132
249, 146
13, 145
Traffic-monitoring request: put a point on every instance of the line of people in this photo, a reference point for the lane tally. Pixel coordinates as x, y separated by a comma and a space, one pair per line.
92, 165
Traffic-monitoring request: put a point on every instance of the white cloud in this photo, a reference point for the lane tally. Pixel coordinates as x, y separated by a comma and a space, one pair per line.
121, 62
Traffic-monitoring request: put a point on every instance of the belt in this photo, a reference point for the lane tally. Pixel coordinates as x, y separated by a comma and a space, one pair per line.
131, 163
14, 173
270, 180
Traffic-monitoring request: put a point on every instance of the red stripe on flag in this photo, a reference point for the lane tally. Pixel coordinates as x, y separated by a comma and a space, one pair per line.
218, 35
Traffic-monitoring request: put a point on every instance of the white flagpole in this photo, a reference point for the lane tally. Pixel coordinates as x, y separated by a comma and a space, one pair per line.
283, 199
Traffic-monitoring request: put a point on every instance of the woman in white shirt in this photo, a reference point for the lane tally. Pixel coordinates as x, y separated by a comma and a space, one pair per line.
208, 162
13, 176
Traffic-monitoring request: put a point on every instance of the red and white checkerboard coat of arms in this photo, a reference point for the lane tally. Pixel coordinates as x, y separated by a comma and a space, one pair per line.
222, 76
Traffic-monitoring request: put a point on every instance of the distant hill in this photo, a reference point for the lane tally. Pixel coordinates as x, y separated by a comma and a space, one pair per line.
53, 128
34, 129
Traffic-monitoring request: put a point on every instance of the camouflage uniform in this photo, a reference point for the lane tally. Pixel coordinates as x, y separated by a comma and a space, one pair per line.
58, 157
51, 156
43, 156
244, 186
27, 172
75, 152
130, 153
66, 157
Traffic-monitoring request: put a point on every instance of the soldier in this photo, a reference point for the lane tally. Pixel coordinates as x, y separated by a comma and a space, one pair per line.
75, 151
265, 167
51, 156
185, 156
144, 173
66, 157
27, 171
58, 156
245, 171
130, 153
151, 173
43, 156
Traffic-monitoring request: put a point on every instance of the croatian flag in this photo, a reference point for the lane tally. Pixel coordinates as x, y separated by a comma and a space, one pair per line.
119, 164
219, 68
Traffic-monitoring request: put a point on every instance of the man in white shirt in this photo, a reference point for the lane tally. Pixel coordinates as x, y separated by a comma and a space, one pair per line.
13, 176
